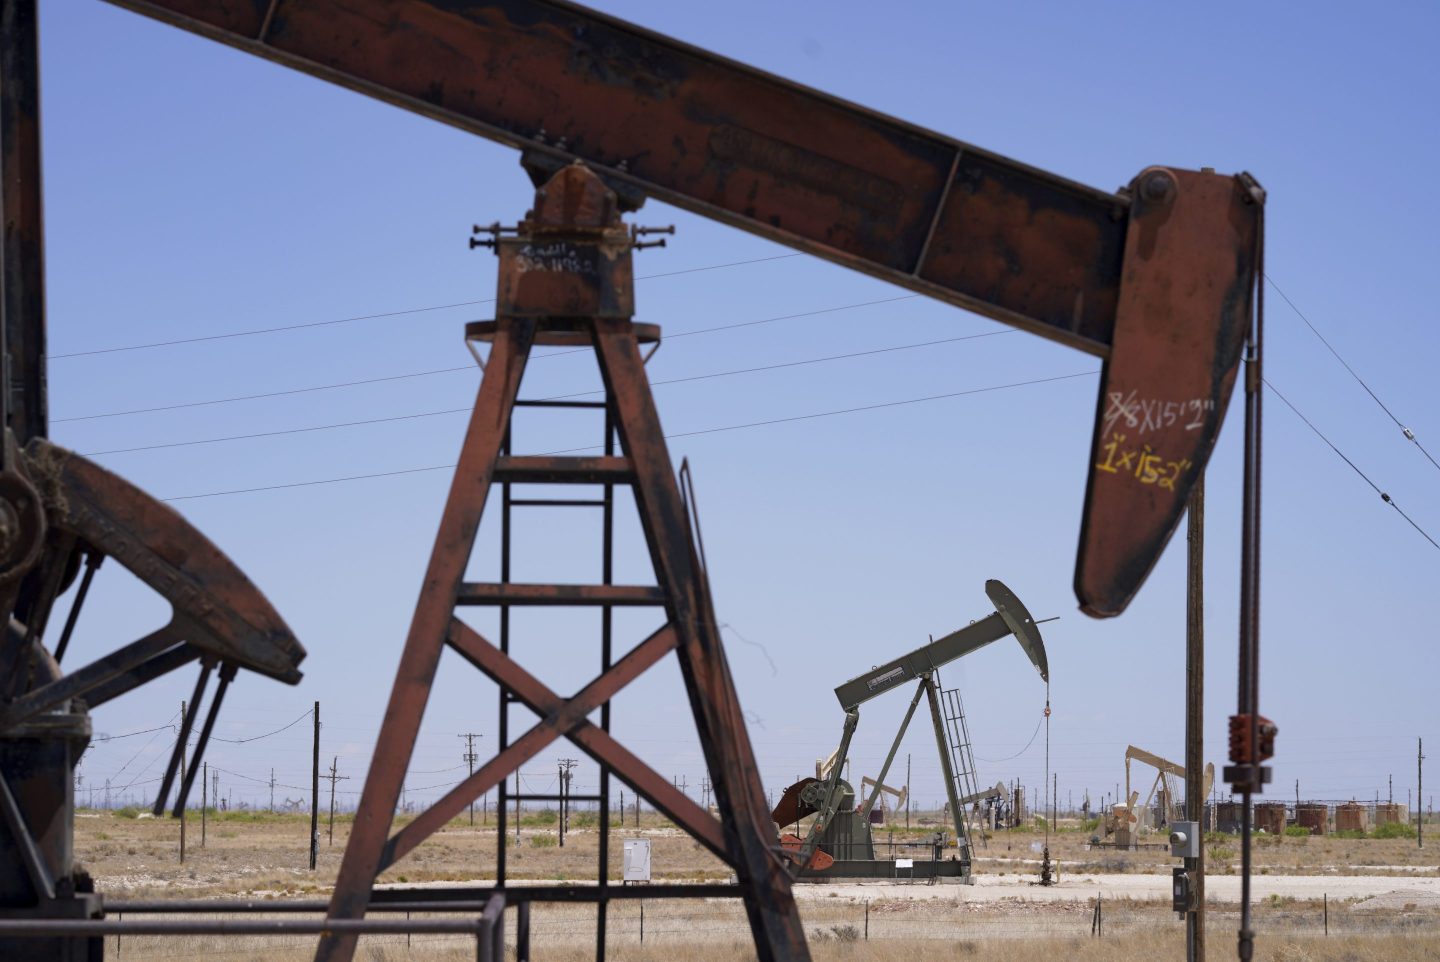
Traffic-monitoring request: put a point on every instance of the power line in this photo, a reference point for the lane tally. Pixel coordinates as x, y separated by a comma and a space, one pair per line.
267, 394
168, 725
558, 397
1409, 434
471, 367
369, 317
1353, 466
991, 761
683, 434
256, 738
111, 738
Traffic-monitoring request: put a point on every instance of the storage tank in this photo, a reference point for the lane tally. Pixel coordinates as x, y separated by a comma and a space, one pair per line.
1314, 816
1350, 817
1387, 813
1227, 817
1270, 818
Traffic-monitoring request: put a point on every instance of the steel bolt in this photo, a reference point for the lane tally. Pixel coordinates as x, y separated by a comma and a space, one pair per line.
1157, 187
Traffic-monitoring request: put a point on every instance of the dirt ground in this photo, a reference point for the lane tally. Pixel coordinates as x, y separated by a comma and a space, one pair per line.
260, 853
1379, 899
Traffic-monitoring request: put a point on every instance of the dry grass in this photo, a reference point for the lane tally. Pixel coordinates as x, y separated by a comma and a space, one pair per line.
1134, 947
266, 856
249, 853
1278, 855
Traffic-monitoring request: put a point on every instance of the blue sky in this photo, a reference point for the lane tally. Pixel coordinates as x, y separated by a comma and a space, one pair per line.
192, 190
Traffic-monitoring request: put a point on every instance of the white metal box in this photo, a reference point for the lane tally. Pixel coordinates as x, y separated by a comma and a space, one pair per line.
637, 860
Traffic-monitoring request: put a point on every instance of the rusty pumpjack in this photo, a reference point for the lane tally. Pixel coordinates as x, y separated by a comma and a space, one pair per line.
839, 842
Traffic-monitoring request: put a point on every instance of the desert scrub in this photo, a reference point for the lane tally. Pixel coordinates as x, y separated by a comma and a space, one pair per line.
540, 819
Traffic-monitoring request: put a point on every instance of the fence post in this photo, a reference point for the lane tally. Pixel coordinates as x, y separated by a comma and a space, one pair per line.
522, 932
1326, 897
642, 916
867, 920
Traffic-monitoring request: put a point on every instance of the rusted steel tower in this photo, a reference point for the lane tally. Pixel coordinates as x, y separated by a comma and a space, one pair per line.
566, 279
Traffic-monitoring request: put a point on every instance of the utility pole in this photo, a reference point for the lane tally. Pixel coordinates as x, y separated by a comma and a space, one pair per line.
334, 767
1419, 793
470, 760
204, 785
272, 791
909, 802
315, 793
1195, 713
215, 786
566, 764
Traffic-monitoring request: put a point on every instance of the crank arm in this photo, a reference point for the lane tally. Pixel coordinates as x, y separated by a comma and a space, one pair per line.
216, 607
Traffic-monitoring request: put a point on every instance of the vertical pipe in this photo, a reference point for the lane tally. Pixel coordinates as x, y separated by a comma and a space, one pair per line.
607, 576
181, 746
1251, 771
504, 699
315, 793
1195, 712
22, 250
204, 804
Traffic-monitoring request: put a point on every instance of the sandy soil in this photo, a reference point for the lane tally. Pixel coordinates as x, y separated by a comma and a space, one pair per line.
1138, 887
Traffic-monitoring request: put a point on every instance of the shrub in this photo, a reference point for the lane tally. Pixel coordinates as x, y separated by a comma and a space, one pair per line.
1297, 831
845, 933
129, 811
1349, 833
544, 840
540, 819
1394, 830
